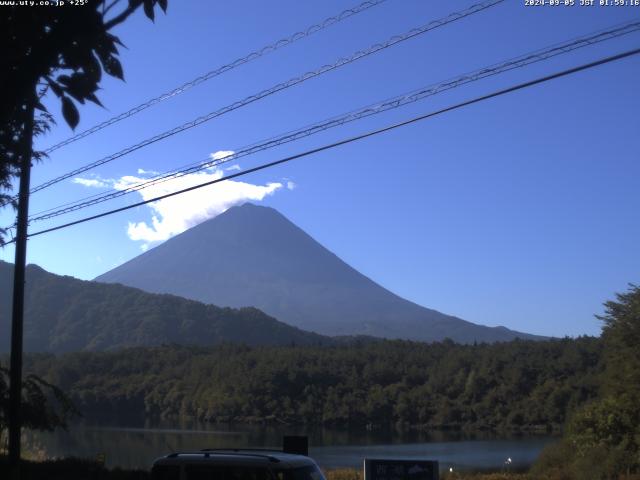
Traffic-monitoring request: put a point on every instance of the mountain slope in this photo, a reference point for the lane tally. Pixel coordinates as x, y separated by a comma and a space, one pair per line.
254, 256
66, 314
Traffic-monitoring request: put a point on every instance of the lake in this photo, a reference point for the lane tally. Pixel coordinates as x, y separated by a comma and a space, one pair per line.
137, 446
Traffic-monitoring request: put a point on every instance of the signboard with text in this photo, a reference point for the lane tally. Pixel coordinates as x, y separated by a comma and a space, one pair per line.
391, 469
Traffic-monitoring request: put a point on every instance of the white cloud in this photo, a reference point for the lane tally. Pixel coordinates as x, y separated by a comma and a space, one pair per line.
127, 181
90, 182
220, 154
147, 172
176, 214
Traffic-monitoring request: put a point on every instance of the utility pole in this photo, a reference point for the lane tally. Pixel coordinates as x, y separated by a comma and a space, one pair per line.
17, 318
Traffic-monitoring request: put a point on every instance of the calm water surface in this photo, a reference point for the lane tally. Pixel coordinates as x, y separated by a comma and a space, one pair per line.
137, 446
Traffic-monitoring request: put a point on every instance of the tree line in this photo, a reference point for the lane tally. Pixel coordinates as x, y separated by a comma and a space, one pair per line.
514, 385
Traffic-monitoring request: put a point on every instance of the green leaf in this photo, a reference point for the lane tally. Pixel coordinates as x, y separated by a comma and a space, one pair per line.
148, 9
163, 5
113, 67
92, 68
106, 47
92, 97
115, 40
70, 112
81, 83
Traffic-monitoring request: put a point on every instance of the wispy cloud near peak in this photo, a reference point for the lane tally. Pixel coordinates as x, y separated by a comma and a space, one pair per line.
176, 214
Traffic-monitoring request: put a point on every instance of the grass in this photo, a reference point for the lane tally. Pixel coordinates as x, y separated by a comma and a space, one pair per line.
353, 474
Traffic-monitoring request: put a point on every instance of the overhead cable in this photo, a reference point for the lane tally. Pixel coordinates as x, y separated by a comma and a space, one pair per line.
272, 47
345, 141
396, 39
389, 104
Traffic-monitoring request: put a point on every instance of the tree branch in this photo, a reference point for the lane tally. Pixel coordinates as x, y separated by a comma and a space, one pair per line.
117, 20
105, 10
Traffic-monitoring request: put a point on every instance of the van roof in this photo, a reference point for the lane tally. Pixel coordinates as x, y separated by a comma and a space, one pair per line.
237, 457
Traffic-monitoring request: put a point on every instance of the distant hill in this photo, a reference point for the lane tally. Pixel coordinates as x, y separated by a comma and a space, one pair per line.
254, 256
65, 314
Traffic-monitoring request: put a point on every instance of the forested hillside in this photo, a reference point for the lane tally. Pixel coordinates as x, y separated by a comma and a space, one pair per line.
516, 385
65, 314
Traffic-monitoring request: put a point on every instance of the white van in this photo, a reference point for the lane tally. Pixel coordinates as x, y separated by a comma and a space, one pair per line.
231, 464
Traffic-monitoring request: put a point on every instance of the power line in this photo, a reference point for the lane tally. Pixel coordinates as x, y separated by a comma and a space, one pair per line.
389, 104
371, 133
279, 87
283, 42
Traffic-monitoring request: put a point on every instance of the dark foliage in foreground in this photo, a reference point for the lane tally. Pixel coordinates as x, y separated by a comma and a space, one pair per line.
71, 469
602, 440
515, 385
44, 406
62, 49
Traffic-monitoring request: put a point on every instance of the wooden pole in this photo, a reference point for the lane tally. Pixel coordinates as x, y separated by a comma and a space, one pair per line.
17, 318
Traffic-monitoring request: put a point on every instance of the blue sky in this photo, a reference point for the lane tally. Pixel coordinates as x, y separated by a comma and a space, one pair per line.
521, 211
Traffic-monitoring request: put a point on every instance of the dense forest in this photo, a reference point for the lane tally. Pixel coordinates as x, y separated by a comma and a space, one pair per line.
515, 385
65, 314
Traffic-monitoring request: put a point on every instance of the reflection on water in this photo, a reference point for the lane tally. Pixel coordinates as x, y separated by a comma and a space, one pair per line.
137, 445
